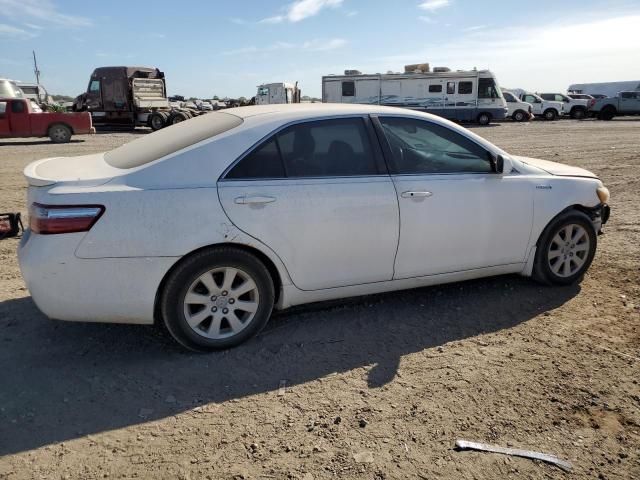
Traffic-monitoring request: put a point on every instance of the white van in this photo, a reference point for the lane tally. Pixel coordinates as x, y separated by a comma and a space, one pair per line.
519, 111
472, 95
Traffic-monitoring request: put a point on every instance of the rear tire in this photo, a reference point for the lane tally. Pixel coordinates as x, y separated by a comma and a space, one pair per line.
484, 118
60, 133
550, 114
178, 117
217, 299
565, 250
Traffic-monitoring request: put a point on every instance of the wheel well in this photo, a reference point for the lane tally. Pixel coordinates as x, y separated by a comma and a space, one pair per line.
60, 123
518, 111
551, 108
579, 208
578, 107
273, 271
609, 108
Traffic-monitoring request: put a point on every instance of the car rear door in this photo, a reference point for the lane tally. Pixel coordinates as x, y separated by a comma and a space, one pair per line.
456, 213
317, 193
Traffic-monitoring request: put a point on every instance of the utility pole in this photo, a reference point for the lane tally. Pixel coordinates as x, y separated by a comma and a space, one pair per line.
35, 68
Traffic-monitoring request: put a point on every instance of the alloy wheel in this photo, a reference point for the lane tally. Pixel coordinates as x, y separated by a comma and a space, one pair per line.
221, 302
568, 250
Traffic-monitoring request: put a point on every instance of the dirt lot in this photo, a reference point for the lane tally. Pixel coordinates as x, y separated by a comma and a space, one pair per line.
373, 388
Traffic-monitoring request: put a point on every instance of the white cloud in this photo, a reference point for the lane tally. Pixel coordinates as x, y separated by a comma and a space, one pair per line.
41, 10
425, 19
274, 19
433, 5
324, 45
352, 13
14, 32
315, 45
474, 28
540, 58
301, 9
308, 8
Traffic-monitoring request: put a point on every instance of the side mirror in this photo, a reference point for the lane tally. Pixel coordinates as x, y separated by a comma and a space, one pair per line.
499, 164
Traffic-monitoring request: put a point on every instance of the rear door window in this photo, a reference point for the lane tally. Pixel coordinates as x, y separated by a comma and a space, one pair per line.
17, 107
263, 162
323, 148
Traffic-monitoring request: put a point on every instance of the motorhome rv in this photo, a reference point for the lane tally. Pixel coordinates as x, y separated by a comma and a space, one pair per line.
470, 95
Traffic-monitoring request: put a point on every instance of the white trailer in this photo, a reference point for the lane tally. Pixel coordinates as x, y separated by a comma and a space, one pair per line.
472, 95
610, 89
280, 92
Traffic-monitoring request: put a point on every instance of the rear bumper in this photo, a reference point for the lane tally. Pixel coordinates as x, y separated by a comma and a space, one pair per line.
110, 290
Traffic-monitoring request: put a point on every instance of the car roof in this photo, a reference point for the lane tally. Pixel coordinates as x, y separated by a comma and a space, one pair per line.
313, 109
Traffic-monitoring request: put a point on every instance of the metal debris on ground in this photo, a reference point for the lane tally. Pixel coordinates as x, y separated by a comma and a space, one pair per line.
485, 447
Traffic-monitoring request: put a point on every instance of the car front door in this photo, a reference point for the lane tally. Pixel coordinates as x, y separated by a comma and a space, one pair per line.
20, 122
4, 119
456, 213
317, 193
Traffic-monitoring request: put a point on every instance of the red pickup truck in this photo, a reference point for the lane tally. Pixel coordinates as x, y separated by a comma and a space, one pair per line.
18, 119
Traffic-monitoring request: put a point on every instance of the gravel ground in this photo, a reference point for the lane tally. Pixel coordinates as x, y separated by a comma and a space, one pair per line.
372, 388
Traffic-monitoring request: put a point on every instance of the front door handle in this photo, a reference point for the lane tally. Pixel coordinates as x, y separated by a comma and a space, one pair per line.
254, 199
415, 194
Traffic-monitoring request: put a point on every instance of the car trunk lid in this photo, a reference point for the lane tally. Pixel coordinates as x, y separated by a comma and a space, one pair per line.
85, 170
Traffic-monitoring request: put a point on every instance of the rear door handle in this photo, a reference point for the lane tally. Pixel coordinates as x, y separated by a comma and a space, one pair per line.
411, 194
254, 199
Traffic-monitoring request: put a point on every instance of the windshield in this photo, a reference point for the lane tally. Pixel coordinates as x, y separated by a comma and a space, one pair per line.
487, 88
8, 89
171, 139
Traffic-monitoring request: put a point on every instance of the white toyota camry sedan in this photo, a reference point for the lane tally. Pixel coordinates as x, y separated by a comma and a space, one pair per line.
208, 225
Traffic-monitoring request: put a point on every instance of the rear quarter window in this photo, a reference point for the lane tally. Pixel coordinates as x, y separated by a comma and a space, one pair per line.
171, 139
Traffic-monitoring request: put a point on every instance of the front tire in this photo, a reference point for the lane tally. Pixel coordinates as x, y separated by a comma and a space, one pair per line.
217, 299
550, 114
578, 113
519, 116
565, 250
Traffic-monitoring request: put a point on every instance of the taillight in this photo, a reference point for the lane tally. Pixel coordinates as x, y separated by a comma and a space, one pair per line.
53, 219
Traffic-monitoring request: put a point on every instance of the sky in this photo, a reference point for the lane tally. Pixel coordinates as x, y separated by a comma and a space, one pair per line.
227, 48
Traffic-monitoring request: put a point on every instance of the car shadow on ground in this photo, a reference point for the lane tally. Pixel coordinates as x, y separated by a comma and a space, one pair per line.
61, 381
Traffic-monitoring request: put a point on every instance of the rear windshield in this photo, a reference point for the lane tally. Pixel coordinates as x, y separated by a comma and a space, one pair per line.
171, 139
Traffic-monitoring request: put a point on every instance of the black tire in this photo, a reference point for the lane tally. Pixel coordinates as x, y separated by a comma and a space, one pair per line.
542, 268
519, 116
607, 113
172, 307
59, 133
484, 118
550, 114
156, 121
177, 117
578, 113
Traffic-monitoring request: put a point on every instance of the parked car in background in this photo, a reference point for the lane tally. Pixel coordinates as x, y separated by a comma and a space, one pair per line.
282, 205
625, 103
9, 89
519, 111
18, 118
576, 108
549, 110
